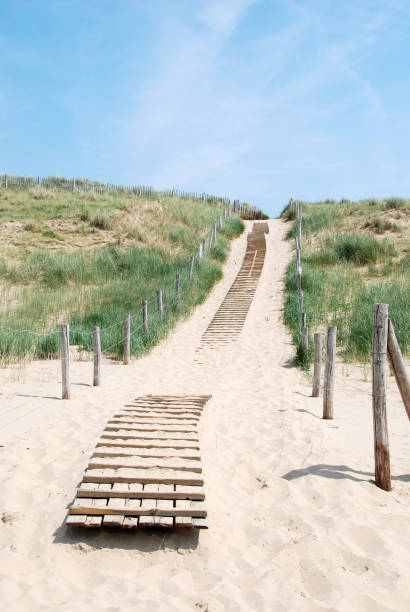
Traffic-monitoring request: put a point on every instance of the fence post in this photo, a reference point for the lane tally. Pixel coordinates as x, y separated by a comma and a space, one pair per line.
5, 181
97, 357
211, 233
225, 212
200, 252
329, 373
191, 266
317, 365
302, 320
127, 339
73, 184
229, 209
381, 436
203, 246
305, 338
159, 302
64, 332
399, 368
300, 299
145, 314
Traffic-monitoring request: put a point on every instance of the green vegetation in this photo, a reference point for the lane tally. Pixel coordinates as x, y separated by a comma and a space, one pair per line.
88, 258
347, 267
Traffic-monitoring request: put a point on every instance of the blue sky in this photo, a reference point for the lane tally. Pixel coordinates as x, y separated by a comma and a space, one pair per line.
259, 100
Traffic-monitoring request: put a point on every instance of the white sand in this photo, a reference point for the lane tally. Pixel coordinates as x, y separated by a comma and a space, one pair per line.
295, 521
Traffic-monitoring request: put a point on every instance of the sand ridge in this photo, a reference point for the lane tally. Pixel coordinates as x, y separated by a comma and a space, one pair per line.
295, 522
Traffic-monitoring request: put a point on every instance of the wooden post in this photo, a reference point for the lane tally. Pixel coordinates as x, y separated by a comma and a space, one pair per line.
159, 302
210, 237
381, 436
225, 213
200, 252
5, 181
73, 184
191, 267
236, 206
203, 246
145, 314
317, 364
299, 225
38, 180
300, 299
177, 284
329, 373
399, 368
127, 339
305, 338
97, 357
229, 209
302, 320
64, 332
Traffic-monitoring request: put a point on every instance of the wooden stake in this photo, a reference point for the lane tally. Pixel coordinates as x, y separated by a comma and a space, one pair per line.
203, 246
191, 267
305, 338
200, 252
381, 436
302, 320
300, 299
225, 214
317, 364
64, 332
97, 357
127, 339
145, 314
329, 373
214, 236
159, 302
399, 367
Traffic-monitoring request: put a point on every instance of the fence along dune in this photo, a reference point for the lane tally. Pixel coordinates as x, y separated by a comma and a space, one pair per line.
144, 239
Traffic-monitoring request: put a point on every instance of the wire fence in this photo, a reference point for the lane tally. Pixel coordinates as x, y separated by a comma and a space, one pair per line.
98, 187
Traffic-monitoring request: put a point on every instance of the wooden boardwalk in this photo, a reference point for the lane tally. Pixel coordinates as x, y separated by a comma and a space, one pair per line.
231, 315
145, 470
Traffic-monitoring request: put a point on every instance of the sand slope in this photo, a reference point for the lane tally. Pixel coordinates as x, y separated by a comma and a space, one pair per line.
295, 521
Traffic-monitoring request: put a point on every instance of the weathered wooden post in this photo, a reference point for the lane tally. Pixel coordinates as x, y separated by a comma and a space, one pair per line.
229, 209
200, 252
214, 232
127, 339
64, 333
203, 246
191, 267
38, 180
300, 299
145, 314
73, 185
97, 357
317, 364
329, 373
305, 338
236, 206
211, 233
302, 320
5, 181
159, 302
225, 214
299, 225
177, 284
381, 436
399, 368
220, 223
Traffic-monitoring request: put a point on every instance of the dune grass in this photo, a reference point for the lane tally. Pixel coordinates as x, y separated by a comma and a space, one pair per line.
103, 255
347, 267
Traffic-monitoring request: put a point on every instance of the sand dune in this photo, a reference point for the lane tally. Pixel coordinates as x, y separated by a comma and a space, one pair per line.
295, 522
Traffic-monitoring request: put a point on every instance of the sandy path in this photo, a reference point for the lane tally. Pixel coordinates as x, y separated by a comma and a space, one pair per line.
295, 522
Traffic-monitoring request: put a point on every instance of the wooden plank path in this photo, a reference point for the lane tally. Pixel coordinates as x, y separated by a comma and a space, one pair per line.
231, 315
146, 468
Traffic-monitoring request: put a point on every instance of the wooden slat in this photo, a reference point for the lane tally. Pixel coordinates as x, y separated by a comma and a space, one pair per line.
143, 476
154, 427
171, 463
147, 420
150, 414
119, 490
121, 451
148, 440
142, 508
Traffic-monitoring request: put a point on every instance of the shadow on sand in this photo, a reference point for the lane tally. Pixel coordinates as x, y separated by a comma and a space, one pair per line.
337, 472
143, 540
